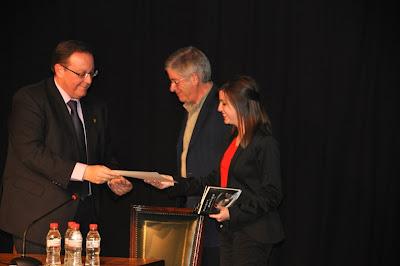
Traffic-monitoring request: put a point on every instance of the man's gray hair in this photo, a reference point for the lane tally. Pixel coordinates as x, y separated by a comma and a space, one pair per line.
189, 59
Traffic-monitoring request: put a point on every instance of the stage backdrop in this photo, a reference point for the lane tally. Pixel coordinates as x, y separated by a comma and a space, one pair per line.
329, 72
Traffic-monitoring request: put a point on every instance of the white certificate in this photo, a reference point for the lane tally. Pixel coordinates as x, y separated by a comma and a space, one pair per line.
142, 175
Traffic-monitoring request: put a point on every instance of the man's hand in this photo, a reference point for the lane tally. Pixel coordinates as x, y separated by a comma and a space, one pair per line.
223, 214
98, 174
161, 184
120, 185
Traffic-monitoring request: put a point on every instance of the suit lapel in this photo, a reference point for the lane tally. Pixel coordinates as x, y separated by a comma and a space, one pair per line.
60, 109
205, 110
90, 119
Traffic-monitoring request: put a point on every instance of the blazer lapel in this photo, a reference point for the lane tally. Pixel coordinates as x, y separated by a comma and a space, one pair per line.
90, 119
60, 109
205, 110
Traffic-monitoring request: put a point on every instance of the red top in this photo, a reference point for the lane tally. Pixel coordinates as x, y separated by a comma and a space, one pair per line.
226, 162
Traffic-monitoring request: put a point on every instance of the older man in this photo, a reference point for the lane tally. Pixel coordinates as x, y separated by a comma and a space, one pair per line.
203, 136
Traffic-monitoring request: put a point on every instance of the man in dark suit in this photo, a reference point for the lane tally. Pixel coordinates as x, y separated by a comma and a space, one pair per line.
58, 143
203, 136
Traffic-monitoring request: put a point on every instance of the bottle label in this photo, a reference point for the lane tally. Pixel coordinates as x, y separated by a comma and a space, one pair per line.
56, 242
76, 243
93, 244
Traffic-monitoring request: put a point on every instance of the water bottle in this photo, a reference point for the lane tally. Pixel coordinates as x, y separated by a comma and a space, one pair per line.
53, 246
75, 246
67, 249
92, 246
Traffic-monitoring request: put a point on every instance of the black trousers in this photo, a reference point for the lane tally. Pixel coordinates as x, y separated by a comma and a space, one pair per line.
237, 248
210, 256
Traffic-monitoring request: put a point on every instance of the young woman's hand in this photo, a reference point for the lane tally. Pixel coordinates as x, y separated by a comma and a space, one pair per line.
223, 214
167, 182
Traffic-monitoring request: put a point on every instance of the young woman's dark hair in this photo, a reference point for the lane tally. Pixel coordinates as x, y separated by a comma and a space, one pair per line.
244, 94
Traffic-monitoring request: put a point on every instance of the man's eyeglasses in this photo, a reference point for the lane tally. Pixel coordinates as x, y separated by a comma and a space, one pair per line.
177, 81
83, 75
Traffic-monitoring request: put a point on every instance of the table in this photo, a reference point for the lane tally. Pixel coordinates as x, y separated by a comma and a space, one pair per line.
5, 258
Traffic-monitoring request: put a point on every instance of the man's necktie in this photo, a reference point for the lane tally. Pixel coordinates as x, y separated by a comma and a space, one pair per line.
78, 129
81, 141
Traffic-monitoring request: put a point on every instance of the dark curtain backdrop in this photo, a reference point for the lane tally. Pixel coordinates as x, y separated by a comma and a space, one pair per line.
329, 70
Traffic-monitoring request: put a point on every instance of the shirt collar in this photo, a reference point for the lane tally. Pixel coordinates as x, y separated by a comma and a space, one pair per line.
64, 94
192, 107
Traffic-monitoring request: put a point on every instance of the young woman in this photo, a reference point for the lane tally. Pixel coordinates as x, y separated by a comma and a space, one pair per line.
249, 228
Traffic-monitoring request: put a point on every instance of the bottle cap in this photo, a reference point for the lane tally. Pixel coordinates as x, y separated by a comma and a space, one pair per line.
93, 226
70, 223
75, 226
53, 225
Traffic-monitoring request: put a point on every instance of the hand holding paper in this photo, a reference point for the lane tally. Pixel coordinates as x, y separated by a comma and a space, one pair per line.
98, 174
164, 182
119, 185
147, 176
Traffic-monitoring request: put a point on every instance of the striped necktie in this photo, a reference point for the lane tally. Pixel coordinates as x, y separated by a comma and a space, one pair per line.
80, 135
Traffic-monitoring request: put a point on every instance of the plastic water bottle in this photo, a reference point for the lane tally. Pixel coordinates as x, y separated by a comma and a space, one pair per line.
92, 246
67, 237
53, 246
75, 246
